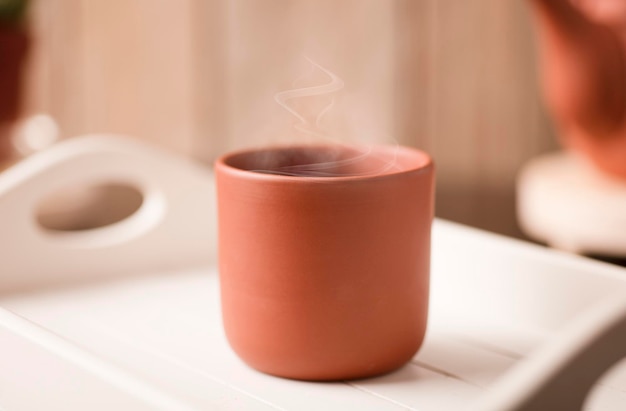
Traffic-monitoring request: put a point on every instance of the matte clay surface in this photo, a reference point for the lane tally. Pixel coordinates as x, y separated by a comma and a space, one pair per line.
325, 278
583, 50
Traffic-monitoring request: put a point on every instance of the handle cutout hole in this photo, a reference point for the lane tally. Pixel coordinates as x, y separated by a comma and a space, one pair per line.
88, 207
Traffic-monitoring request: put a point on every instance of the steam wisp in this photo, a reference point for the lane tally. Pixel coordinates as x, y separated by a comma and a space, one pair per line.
333, 160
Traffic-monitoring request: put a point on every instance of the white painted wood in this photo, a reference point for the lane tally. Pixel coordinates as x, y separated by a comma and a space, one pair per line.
602, 399
172, 228
166, 329
420, 388
564, 201
474, 365
560, 375
513, 284
43, 371
503, 313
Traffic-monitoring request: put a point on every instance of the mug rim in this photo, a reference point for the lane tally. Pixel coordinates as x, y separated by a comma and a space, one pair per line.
418, 161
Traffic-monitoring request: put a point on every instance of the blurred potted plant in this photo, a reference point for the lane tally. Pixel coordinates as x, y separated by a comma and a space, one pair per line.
583, 50
14, 45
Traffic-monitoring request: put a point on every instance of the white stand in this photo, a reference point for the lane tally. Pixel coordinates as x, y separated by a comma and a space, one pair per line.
565, 202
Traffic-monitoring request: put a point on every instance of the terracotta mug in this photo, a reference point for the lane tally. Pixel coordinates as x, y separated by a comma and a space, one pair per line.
324, 258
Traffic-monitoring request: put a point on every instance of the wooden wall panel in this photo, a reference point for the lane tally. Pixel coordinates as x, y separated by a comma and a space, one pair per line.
484, 117
211, 78
116, 66
415, 73
267, 42
452, 77
55, 83
137, 66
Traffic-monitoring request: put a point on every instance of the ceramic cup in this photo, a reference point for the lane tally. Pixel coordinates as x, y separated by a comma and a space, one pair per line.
324, 258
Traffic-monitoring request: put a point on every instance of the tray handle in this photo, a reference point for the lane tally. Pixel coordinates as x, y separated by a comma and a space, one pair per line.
561, 375
172, 229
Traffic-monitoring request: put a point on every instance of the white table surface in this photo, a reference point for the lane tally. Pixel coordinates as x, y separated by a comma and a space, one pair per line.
156, 341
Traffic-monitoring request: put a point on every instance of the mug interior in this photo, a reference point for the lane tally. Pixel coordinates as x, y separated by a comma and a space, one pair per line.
328, 161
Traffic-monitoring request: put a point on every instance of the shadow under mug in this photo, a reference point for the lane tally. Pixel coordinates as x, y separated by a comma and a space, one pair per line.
324, 257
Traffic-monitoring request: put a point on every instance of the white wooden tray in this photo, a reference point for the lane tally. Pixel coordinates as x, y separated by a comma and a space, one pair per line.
512, 325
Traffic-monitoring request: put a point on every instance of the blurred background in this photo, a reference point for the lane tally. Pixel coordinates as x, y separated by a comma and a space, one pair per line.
454, 78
